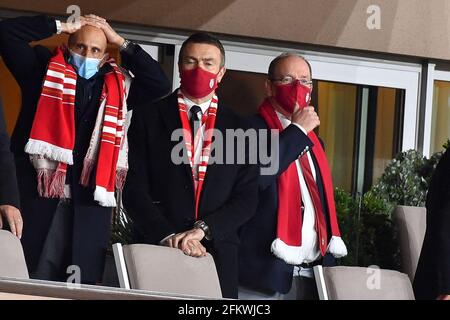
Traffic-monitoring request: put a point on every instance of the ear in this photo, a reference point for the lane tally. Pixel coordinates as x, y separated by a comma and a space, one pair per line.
269, 88
104, 59
179, 70
221, 74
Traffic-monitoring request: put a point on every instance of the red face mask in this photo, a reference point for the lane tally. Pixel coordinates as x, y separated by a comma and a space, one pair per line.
288, 94
198, 83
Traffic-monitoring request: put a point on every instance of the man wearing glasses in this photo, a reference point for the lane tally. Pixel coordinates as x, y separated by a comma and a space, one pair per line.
295, 227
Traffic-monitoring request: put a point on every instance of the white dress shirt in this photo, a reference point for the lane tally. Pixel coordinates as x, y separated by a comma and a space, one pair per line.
310, 249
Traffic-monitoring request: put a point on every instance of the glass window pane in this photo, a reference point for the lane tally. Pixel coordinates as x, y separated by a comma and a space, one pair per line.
440, 127
242, 91
384, 131
337, 111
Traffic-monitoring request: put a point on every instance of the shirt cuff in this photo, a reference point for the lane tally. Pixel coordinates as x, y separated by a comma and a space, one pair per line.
58, 26
164, 240
300, 127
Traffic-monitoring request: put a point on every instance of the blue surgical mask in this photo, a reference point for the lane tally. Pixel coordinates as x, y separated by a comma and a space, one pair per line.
86, 67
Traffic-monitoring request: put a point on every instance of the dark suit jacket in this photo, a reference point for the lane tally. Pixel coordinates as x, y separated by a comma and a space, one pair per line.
433, 271
259, 268
9, 193
159, 195
28, 64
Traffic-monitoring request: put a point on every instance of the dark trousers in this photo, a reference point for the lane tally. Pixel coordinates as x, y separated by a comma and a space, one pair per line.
73, 251
59, 234
57, 252
303, 288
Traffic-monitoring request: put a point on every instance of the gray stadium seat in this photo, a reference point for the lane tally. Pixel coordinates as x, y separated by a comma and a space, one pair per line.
12, 260
356, 283
411, 226
163, 269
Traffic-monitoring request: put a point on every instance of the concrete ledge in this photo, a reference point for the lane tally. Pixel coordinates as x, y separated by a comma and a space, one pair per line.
48, 289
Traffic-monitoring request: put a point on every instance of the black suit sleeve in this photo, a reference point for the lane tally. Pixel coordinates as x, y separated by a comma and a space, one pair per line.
9, 193
291, 143
443, 228
136, 194
444, 251
241, 204
15, 37
150, 82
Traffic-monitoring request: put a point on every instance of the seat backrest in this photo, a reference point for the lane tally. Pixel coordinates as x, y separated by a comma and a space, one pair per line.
164, 269
357, 283
12, 260
411, 226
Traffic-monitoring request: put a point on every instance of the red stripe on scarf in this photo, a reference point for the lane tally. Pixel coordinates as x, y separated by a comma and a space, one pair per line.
52, 137
109, 152
209, 119
289, 223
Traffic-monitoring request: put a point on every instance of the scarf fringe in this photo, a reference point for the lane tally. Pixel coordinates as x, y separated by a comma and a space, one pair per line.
105, 198
121, 176
88, 167
337, 247
57, 184
49, 151
43, 182
289, 254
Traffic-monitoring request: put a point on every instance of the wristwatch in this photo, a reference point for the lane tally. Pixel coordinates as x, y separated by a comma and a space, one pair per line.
200, 224
125, 45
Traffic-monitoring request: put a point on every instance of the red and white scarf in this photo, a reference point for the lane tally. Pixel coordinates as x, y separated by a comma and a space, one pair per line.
288, 244
209, 121
52, 136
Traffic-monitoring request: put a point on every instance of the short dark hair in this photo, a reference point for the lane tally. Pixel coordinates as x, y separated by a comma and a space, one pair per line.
273, 65
203, 37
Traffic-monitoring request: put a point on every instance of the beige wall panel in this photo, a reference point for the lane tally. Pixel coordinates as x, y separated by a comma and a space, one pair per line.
409, 27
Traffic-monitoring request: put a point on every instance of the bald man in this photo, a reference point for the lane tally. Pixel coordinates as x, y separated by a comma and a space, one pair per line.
68, 96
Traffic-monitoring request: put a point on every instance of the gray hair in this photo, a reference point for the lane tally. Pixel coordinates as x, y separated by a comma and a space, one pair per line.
273, 65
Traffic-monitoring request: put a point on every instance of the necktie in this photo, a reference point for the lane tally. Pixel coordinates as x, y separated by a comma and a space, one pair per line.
195, 116
321, 227
195, 119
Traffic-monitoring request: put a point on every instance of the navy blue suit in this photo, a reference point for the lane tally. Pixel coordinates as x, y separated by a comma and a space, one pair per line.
259, 269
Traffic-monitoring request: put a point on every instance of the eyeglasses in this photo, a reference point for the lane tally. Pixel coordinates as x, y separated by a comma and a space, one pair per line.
289, 80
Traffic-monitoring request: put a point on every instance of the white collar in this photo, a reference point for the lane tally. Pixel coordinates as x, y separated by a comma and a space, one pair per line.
204, 106
285, 121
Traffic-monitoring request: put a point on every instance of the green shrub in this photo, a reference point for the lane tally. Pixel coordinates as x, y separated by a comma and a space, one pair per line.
406, 179
366, 222
367, 229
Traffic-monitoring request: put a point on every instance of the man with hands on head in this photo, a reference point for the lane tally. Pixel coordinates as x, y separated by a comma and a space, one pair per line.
72, 126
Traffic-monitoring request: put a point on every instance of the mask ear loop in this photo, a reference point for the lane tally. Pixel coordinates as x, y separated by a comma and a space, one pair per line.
104, 60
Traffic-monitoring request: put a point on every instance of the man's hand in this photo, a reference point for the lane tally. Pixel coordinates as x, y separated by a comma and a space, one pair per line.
307, 118
72, 27
13, 217
193, 248
112, 36
188, 242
